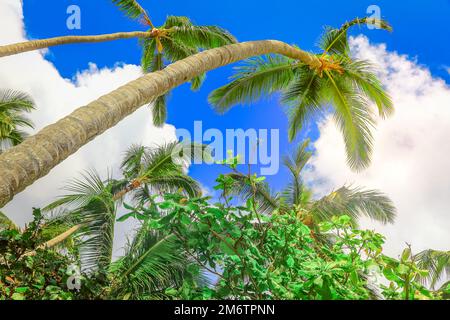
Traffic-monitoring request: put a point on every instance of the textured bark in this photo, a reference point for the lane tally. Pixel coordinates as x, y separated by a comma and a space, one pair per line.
11, 49
20, 166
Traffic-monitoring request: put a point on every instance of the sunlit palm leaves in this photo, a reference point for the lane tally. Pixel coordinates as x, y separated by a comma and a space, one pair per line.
177, 39
13, 105
354, 202
335, 41
347, 85
92, 202
257, 77
161, 169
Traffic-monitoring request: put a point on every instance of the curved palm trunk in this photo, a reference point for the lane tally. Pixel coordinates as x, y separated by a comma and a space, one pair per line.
12, 49
56, 240
20, 166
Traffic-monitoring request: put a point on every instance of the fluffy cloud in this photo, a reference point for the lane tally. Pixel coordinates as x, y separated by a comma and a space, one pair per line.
56, 97
411, 152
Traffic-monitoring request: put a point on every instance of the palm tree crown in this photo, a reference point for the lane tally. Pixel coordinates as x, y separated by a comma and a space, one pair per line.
346, 84
177, 39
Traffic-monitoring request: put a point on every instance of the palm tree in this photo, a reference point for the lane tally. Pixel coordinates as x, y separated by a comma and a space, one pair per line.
13, 104
178, 35
178, 39
92, 204
56, 142
152, 261
354, 202
345, 84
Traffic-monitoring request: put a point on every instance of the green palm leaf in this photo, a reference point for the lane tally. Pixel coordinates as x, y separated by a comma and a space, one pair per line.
12, 106
152, 263
256, 77
90, 203
362, 74
266, 201
202, 37
159, 111
304, 98
7, 223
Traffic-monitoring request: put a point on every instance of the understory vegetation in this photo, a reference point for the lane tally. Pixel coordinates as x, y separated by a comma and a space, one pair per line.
187, 246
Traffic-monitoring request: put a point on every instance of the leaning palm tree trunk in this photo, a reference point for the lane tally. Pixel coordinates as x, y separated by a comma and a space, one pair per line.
16, 48
36, 156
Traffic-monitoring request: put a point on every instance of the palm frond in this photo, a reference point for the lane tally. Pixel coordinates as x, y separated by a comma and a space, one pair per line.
132, 9
256, 77
362, 74
152, 263
202, 37
15, 101
90, 203
354, 202
159, 111
172, 183
303, 96
131, 164
12, 106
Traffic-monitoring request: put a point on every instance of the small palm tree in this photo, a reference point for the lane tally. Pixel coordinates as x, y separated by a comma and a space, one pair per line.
90, 209
354, 202
347, 85
152, 263
13, 105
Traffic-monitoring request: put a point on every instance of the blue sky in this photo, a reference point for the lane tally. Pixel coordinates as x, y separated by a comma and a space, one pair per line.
420, 30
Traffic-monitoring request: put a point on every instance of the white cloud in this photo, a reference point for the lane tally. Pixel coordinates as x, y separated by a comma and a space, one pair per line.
411, 153
56, 97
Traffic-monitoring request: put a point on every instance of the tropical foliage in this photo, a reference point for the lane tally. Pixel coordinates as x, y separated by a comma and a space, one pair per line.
176, 39
346, 84
352, 201
13, 105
